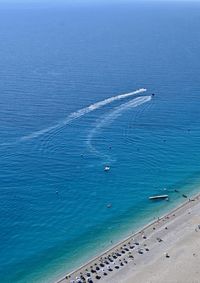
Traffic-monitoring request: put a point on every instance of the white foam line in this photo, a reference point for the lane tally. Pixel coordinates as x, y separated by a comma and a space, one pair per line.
80, 113
112, 116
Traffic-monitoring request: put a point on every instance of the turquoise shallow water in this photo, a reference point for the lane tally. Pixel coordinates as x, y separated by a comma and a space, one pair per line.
58, 60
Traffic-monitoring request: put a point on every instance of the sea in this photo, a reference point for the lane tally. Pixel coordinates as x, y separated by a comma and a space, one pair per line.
76, 85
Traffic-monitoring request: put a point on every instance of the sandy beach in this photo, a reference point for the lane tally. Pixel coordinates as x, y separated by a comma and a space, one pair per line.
165, 251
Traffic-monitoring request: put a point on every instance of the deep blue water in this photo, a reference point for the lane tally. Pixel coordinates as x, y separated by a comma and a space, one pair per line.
56, 60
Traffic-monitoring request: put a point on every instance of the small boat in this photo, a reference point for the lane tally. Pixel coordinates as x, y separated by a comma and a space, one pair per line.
159, 197
106, 168
153, 94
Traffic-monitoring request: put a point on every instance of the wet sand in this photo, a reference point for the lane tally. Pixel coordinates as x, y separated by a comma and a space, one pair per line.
165, 251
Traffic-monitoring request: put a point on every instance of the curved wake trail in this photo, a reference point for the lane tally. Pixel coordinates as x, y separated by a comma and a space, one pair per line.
111, 117
77, 114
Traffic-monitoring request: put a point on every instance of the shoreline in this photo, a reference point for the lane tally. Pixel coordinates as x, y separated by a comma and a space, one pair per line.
86, 267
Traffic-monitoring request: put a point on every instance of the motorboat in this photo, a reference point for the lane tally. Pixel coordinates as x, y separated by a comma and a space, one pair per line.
106, 168
159, 197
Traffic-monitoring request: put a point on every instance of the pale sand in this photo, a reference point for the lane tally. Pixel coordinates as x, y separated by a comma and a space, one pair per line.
180, 241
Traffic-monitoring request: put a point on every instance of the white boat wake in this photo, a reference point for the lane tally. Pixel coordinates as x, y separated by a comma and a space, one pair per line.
77, 114
108, 119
